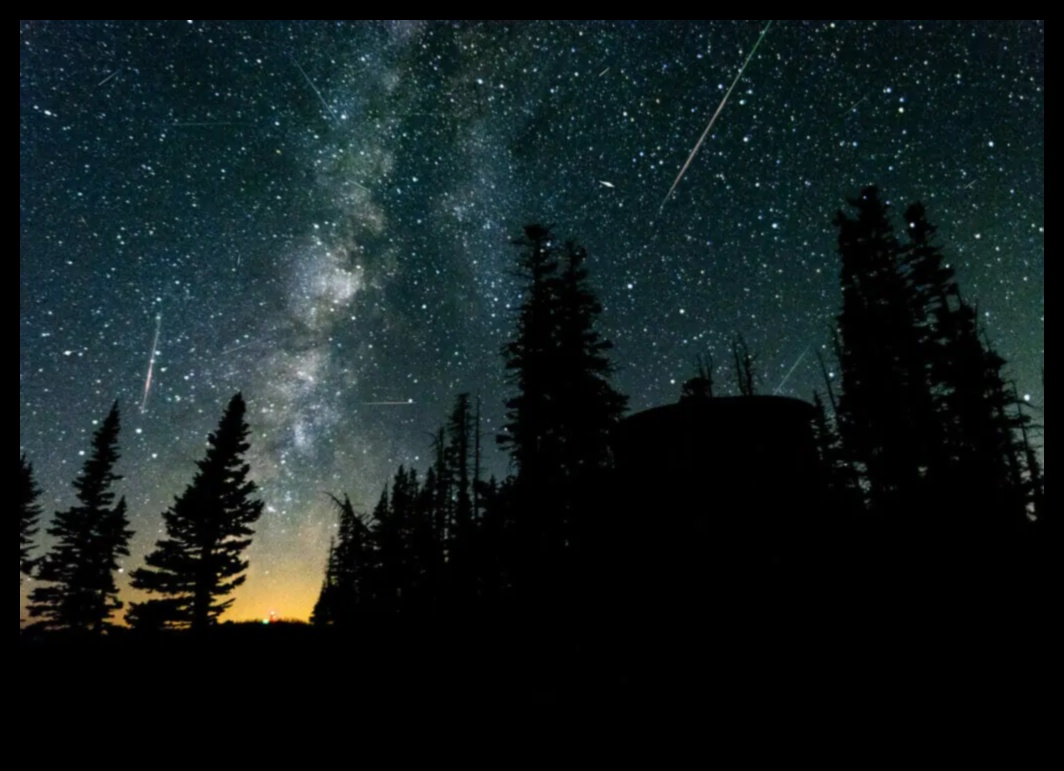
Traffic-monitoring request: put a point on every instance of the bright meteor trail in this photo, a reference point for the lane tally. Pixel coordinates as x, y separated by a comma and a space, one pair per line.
310, 83
716, 115
151, 362
790, 372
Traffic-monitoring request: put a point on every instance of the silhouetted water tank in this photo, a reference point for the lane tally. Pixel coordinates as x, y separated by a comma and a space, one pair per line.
767, 439
730, 487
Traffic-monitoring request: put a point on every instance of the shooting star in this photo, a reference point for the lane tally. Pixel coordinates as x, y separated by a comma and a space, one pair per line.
716, 115
108, 77
858, 103
240, 347
604, 183
603, 73
151, 363
790, 372
406, 403
310, 83
207, 124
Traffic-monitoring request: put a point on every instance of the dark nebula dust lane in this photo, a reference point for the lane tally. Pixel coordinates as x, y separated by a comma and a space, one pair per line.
319, 215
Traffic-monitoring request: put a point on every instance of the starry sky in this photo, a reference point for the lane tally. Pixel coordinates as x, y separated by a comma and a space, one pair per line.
318, 214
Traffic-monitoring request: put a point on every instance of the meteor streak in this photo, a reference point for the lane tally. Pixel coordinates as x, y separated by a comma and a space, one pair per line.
240, 347
207, 124
716, 115
310, 83
151, 362
858, 103
791, 372
108, 77
406, 403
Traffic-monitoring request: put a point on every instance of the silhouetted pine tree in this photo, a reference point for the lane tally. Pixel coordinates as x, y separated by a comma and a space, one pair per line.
1036, 487
422, 548
589, 408
400, 528
327, 609
385, 551
29, 515
208, 530
346, 589
461, 542
80, 593
494, 545
980, 468
941, 320
460, 446
560, 421
838, 481
886, 413
927, 417
530, 433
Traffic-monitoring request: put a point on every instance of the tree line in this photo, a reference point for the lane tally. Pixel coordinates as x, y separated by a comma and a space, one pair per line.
929, 425
924, 440
921, 440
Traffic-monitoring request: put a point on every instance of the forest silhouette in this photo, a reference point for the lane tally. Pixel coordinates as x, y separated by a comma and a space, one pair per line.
909, 489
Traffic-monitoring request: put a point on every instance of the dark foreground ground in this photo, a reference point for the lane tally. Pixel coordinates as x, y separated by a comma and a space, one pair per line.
900, 661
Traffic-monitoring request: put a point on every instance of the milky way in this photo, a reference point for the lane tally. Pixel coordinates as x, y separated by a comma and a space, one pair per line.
321, 212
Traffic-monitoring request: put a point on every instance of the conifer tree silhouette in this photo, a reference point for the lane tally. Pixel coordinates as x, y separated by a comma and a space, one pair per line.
531, 358
80, 593
885, 409
927, 418
208, 529
29, 515
345, 590
461, 539
560, 421
589, 407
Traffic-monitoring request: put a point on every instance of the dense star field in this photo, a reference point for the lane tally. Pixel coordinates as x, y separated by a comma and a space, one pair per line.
318, 214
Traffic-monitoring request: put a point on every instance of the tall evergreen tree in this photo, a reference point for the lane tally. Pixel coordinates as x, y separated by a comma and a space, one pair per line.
980, 464
29, 515
208, 530
926, 415
80, 593
345, 590
385, 550
462, 542
403, 557
588, 407
460, 447
560, 421
327, 608
531, 360
885, 410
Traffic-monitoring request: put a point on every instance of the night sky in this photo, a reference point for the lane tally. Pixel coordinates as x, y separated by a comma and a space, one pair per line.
318, 214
